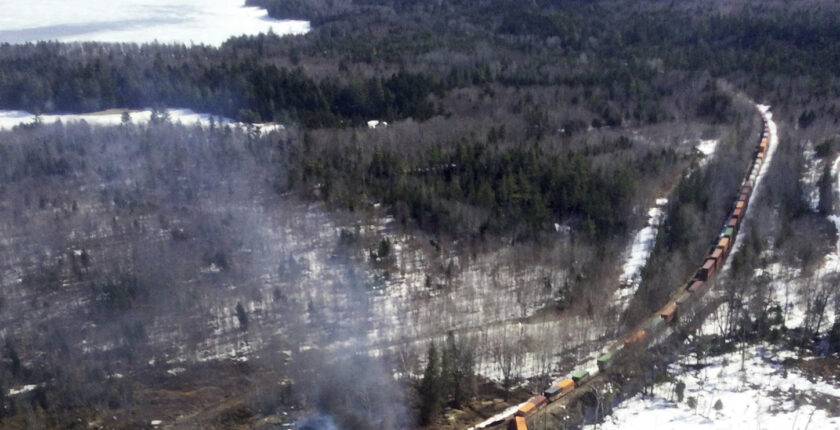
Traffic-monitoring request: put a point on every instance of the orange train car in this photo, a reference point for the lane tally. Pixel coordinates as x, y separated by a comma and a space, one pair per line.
637, 336
723, 245
532, 405
517, 423
669, 312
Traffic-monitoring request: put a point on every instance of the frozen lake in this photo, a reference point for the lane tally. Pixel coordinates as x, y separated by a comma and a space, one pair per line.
208, 22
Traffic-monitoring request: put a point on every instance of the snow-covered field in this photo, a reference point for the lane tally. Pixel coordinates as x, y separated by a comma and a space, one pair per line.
9, 119
208, 22
762, 396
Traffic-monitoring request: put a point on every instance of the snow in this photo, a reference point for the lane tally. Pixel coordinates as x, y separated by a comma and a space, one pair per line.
707, 148
763, 396
209, 22
639, 251
21, 390
498, 417
9, 119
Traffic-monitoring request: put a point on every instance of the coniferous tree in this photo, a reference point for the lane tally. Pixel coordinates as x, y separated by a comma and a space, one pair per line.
431, 392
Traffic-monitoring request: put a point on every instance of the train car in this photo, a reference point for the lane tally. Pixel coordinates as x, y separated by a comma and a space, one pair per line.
531, 406
517, 423
605, 360
762, 147
733, 223
747, 189
717, 255
654, 324
580, 376
723, 245
696, 286
683, 298
707, 270
738, 213
669, 312
729, 232
636, 337
559, 390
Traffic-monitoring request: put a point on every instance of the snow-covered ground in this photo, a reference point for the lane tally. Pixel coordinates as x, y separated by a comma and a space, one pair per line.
707, 148
9, 119
639, 251
764, 396
208, 22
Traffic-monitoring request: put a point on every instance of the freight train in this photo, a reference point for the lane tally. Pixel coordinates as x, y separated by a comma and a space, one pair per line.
685, 295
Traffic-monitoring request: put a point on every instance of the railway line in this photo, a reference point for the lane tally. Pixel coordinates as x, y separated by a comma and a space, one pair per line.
687, 295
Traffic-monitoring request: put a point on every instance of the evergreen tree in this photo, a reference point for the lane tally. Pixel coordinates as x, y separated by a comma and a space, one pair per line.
431, 389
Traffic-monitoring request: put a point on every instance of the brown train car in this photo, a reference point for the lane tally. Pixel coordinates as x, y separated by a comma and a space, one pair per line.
669, 312
747, 189
517, 423
733, 223
717, 255
695, 286
707, 270
740, 204
637, 336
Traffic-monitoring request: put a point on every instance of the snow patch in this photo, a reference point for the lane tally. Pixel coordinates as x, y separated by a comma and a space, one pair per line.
707, 147
639, 251
21, 390
9, 119
761, 394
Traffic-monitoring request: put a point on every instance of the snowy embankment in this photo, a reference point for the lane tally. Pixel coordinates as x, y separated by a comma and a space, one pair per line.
9, 119
138, 21
761, 394
639, 251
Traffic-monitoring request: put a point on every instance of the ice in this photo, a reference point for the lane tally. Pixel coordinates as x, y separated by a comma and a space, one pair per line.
208, 22
9, 119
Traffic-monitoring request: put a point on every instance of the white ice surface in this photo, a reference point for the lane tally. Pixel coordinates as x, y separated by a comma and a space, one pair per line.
9, 119
763, 396
209, 22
